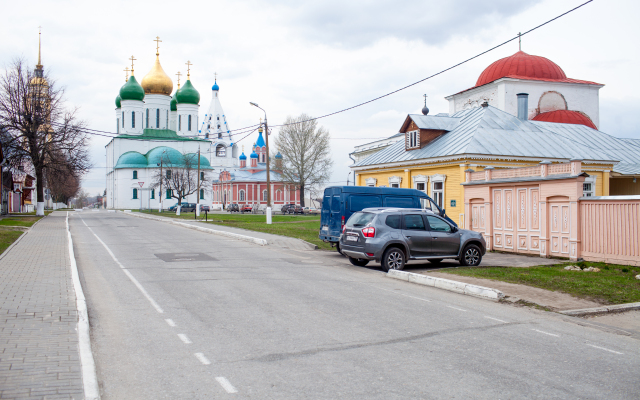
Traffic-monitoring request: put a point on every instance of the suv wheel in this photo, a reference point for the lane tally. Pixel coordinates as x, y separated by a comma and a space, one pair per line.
359, 262
338, 248
393, 259
471, 256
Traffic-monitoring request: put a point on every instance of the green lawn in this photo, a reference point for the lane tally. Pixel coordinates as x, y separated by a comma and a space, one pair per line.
305, 227
614, 284
8, 236
19, 221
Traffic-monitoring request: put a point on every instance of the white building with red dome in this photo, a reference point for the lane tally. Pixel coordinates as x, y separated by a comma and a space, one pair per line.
522, 111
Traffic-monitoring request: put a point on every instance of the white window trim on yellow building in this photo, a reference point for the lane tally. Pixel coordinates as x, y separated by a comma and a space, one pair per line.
437, 178
371, 182
395, 180
591, 179
421, 179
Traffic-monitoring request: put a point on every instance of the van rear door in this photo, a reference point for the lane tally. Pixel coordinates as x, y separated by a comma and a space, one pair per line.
331, 215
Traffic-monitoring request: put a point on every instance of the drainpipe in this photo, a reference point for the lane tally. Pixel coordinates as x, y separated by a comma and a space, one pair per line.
354, 174
523, 106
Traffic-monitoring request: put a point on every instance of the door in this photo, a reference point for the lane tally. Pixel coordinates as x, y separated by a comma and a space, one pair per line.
445, 242
417, 236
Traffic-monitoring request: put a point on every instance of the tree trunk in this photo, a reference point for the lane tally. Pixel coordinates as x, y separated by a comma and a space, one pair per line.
302, 195
39, 192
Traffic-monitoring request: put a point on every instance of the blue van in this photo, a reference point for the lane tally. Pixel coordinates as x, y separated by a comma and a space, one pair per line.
339, 202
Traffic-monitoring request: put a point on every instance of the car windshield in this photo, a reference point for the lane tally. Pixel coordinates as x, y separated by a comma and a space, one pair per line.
360, 219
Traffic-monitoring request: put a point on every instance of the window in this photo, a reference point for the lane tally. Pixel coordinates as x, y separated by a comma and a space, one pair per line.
413, 139
437, 192
157, 118
201, 176
438, 225
241, 195
135, 194
167, 125
360, 219
118, 125
133, 119
168, 193
153, 193
413, 222
264, 195
393, 221
135, 174
147, 118
168, 174
123, 119
179, 122
358, 203
201, 194
371, 182
221, 151
189, 125
420, 186
395, 185
401, 202
589, 186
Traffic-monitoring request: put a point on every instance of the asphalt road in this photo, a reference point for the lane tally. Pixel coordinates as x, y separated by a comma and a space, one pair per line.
180, 314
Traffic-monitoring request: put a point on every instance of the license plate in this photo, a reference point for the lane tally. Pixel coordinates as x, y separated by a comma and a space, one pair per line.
352, 238
325, 228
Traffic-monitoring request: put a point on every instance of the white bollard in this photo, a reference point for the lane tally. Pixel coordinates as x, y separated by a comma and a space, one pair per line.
178, 210
198, 210
268, 215
160, 209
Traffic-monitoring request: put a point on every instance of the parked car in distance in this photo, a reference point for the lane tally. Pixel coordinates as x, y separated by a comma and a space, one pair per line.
246, 208
233, 207
291, 209
205, 208
392, 236
185, 207
311, 211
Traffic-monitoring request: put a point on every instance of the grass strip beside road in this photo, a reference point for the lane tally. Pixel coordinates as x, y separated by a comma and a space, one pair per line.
305, 227
19, 221
7, 237
614, 284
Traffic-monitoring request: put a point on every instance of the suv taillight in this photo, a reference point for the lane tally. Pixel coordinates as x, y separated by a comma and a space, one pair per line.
344, 228
342, 223
369, 232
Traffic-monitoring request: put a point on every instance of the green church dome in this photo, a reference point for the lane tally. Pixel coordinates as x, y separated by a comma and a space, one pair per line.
193, 160
132, 90
174, 103
169, 156
131, 159
188, 94
118, 101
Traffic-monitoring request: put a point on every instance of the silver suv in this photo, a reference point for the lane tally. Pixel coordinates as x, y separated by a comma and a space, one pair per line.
392, 236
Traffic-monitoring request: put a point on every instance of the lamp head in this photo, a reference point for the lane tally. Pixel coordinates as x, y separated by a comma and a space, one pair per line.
253, 104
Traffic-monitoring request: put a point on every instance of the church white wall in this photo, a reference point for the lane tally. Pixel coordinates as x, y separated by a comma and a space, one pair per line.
502, 94
132, 110
173, 117
118, 120
156, 110
184, 111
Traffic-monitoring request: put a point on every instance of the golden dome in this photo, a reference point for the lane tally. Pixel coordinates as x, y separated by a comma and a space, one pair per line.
157, 81
36, 80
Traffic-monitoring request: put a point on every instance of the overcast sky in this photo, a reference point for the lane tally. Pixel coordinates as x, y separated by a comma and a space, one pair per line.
317, 57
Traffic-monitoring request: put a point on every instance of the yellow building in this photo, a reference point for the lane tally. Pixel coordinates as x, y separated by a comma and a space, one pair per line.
518, 114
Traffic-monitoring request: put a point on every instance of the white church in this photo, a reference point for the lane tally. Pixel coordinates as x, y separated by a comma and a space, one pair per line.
153, 125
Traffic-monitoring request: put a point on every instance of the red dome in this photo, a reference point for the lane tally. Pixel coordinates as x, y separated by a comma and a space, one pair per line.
566, 117
524, 66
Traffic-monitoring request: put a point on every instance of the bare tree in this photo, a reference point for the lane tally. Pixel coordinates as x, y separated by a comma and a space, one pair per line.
181, 179
82, 199
306, 153
63, 186
41, 131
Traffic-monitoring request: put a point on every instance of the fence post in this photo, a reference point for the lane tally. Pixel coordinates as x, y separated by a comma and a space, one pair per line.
544, 168
487, 173
576, 166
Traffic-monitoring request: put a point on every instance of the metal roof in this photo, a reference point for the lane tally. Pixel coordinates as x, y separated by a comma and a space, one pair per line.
488, 131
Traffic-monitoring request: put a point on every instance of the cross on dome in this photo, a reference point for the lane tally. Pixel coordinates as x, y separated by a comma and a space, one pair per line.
158, 41
126, 70
188, 64
132, 60
179, 74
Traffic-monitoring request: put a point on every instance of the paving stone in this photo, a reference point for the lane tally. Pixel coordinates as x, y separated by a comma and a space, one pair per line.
38, 342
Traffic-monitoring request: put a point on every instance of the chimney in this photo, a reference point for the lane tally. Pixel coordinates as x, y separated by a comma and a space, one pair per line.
523, 106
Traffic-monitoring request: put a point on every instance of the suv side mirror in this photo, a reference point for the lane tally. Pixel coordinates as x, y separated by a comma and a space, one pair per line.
443, 212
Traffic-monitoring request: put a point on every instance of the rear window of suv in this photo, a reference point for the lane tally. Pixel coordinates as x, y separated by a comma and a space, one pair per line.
393, 221
360, 219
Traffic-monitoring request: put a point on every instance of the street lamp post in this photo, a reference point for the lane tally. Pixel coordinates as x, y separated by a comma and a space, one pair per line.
266, 138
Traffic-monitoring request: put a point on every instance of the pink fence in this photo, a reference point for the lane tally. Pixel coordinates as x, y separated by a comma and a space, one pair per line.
610, 229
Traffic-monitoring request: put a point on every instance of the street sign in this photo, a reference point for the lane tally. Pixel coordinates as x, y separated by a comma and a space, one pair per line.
141, 184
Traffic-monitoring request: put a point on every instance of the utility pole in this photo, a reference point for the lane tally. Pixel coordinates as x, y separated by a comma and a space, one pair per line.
161, 177
266, 138
197, 213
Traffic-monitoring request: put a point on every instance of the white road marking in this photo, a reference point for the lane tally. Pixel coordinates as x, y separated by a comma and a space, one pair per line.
602, 348
226, 384
496, 319
131, 277
456, 308
546, 333
202, 358
400, 294
184, 338
170, 322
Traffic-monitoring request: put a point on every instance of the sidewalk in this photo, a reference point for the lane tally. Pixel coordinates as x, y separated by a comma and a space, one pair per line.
272, 240
38, 340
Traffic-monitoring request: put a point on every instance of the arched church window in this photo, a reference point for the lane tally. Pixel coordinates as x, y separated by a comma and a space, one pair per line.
135, 194
168, 194
189, 125
201, 194
118, 126
264, 195
241, 195
133, 119
221, 151
202, 176
219, 135
179, 122
147, 119
135, 174
153, 193
157, 118
123, 119
168, 174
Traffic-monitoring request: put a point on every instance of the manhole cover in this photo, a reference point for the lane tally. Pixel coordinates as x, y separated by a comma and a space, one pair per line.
178, 257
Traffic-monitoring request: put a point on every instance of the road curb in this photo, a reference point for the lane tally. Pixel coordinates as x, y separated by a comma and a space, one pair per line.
250, 239
446, 284
602, 310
